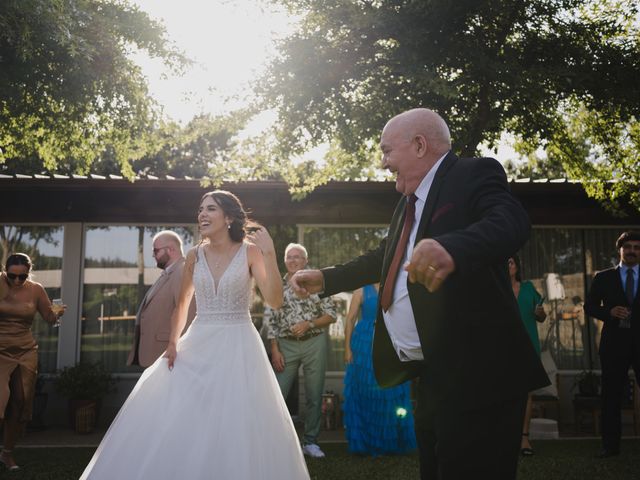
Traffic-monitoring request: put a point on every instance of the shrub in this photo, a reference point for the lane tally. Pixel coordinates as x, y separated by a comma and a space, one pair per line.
87, 381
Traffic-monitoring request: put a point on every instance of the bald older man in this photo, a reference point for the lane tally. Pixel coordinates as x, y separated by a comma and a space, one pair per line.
447, 313
153, 319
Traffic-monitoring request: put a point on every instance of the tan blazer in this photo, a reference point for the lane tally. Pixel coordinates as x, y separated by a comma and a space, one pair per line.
154, 317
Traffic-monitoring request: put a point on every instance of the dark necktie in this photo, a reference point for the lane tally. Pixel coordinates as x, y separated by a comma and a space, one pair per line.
387, 292
628, 286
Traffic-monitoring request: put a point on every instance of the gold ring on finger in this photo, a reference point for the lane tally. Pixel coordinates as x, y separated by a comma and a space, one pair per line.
433, 268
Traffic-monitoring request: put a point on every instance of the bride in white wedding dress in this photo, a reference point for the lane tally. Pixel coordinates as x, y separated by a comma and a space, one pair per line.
210, 408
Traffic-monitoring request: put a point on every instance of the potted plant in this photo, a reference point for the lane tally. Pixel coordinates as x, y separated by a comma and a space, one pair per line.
84, 385
588, 383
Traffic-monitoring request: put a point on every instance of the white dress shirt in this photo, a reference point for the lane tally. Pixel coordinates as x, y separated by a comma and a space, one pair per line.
399, 319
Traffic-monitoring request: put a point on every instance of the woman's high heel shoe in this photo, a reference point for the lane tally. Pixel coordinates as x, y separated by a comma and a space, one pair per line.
11, 468
526, 451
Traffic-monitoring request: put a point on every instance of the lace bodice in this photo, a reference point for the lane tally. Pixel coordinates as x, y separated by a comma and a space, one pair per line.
230, 303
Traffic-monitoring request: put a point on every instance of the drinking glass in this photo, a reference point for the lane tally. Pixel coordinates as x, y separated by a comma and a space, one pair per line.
57, 306
626, 321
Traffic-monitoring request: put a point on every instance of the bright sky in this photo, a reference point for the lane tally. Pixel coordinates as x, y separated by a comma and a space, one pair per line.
231, 41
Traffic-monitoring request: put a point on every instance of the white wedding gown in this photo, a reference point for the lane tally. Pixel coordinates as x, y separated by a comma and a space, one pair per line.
219, 413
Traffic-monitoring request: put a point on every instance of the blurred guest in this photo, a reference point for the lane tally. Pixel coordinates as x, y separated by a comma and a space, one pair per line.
613, 298
153, 319
532, 312
377, 421
298, 338
20, 300
292, 400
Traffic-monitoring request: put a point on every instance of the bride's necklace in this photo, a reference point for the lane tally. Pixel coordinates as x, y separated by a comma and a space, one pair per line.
221, 259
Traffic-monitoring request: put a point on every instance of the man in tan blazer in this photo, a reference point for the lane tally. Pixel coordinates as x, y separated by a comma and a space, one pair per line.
153, 320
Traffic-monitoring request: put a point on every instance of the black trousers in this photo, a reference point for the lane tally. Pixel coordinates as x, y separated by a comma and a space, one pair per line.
615, 363
463, 445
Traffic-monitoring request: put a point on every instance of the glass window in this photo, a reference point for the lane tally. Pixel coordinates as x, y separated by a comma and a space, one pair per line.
332, 245
44, 245
561, 263
553, 261
118, 270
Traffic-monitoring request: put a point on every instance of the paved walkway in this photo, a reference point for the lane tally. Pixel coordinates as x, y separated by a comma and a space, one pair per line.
66, 437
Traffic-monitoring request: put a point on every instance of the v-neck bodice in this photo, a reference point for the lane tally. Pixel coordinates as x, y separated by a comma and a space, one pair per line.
216, 284
229, 303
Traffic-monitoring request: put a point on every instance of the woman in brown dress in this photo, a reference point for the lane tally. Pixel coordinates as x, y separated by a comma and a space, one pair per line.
20, 300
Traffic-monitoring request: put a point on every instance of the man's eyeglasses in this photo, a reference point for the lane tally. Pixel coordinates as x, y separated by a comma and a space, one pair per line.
22, 276
156, 250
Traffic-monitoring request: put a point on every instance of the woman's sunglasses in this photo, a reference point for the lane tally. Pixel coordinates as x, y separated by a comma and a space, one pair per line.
22, 276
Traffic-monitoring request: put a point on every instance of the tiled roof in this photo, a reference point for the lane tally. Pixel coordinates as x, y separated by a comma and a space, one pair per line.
94, 176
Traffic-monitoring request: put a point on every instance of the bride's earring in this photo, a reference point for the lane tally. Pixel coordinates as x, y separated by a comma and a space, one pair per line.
228, 226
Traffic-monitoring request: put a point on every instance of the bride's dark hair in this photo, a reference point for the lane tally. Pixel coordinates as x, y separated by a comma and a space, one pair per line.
233, 209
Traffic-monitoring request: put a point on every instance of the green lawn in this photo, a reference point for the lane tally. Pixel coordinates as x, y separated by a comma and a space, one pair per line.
562, 460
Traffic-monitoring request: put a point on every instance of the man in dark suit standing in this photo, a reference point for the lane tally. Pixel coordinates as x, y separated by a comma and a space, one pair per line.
613, 298
447, 313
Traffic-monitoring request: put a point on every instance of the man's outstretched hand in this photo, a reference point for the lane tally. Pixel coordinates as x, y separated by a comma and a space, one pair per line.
307, 282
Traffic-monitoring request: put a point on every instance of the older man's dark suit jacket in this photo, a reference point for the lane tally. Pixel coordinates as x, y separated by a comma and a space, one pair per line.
476, 350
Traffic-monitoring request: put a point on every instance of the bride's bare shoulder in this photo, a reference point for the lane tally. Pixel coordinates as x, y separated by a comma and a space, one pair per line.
192, 257
254, 254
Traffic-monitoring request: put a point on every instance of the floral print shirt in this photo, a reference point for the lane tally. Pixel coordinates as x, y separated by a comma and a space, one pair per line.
295, 309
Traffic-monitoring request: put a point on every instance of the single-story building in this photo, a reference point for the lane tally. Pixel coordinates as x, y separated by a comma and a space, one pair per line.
90, 239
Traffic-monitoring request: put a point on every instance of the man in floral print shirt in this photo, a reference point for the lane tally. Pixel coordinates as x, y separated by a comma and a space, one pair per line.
297, 337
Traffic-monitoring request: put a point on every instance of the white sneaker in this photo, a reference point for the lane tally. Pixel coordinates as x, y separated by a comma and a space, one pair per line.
312, 450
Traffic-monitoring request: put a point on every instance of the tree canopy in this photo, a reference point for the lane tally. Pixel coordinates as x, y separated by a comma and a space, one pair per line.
600, 150
556, 74
535, 69
189, 150
68, 89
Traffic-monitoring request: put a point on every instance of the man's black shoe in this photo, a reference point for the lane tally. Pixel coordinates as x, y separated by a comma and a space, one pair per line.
606, 453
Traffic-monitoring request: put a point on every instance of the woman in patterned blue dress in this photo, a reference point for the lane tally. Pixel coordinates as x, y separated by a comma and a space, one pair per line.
377, 421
